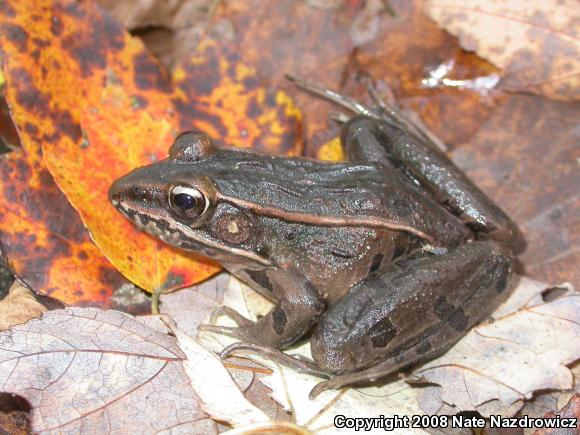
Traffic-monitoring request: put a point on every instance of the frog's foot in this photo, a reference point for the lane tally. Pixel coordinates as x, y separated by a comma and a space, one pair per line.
299, 363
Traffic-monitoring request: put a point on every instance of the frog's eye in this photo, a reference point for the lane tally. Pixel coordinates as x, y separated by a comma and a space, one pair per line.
187, 202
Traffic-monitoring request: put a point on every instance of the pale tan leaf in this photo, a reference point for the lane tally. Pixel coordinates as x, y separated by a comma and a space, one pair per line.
219, 394
18, 306
90, 371
537, 43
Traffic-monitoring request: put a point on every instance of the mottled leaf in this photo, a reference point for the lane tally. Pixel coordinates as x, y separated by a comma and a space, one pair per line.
45, 242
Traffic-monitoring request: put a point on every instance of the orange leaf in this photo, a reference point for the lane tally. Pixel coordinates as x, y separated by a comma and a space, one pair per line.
219, 94
45, 241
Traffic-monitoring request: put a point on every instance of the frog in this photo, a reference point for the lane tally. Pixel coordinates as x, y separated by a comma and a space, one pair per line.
383, 261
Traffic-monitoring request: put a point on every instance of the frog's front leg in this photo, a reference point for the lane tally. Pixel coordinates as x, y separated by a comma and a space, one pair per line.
413, 312
298, 307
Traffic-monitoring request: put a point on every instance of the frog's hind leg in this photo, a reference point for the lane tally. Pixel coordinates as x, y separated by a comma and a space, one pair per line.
384, 135
415, 311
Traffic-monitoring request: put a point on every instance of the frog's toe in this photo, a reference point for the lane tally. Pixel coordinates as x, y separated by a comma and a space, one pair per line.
231, 313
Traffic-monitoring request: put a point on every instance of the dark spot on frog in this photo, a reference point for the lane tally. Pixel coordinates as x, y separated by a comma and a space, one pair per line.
376, 262
290, 235
458, 320
148, 75
382, 332
16, 34
423, 348
502, 281
82, 255
280, 320
341, 254
443, 309
260, 277
56, 26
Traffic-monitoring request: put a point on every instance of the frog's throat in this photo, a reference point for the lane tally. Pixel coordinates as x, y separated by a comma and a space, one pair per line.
347, 221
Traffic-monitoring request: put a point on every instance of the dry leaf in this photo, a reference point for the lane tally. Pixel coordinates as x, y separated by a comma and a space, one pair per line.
220, 396
535, 42
18, 306
571, 410
87, 370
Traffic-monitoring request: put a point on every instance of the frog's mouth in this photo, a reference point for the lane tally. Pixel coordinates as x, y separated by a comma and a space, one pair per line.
161, 225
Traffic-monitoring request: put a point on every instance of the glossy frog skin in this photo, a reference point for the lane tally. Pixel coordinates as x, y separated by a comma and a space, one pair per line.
387, 259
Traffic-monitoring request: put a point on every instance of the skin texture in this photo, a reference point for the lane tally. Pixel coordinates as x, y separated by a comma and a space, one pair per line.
388, 259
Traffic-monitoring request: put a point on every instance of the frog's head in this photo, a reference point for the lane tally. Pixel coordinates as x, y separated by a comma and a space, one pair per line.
177, 200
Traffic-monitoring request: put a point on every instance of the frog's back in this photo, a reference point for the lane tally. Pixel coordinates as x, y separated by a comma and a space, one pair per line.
348, 193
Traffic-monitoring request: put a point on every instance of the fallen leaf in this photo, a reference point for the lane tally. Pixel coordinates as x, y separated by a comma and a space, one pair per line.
78, 58
526, 158
190, 308
83, 370
18, 306
571, 410
44, 240
220, 396
535, 43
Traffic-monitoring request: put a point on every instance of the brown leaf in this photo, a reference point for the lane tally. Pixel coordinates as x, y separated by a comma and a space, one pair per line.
525, 158
571, 410
83, 370
19, 306
535, 42
171, 29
